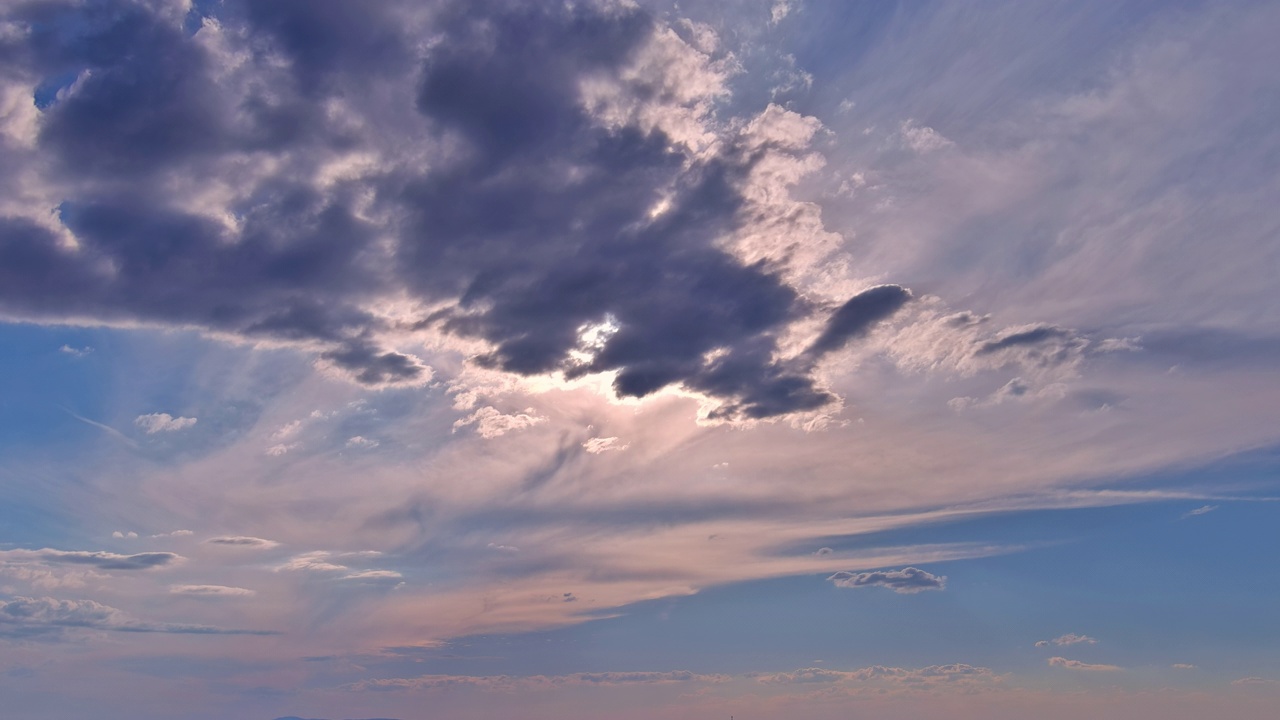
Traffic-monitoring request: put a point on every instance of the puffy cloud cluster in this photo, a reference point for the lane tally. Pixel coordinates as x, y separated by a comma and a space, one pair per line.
491, 422
505, 173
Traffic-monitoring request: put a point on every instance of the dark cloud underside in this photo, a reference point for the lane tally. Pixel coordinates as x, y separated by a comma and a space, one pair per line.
526, 218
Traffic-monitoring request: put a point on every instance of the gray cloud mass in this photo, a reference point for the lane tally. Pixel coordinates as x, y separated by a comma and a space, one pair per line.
101, 560
50, 618
906, 581
494, 197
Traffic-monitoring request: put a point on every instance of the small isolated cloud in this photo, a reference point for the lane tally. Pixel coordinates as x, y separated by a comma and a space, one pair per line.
491, 422
362, 443
931, 675
75, 352
1200, 511
508, 683
175, 533
326, 561
1016, 390
598, 445
312, 562
906, 581
211, 591
122, 535
286, 431
568, 597
823, 551
1254, 681
1129, 344
1077, 665
503, 548
163, 422
1068, 639
922, 139
372, 575
1037, 346
858, 315
99, 560
243, 541
282, 449
1183, 666
780, 10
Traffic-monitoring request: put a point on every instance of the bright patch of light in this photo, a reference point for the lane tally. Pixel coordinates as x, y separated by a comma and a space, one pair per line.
660, 208
593, 337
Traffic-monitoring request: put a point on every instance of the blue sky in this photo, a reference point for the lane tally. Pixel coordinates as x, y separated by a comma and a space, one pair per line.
765, 358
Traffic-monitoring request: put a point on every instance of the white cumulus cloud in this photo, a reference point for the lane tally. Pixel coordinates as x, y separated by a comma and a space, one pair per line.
163, 422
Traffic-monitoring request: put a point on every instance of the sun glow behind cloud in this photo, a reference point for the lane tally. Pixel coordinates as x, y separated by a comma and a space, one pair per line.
440, 323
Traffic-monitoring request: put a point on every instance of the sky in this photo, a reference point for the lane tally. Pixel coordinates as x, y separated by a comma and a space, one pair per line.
642, 360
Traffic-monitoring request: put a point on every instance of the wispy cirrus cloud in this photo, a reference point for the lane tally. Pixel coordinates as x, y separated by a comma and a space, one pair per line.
210, 591
1202, 510
324, 561
242, 541
1254, 681
1068, 639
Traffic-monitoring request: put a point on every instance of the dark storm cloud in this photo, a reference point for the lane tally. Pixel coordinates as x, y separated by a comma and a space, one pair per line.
373, 366
856, 317
1023, 338
537, 222
1042, 346
143, 98
145, 111
328, 39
